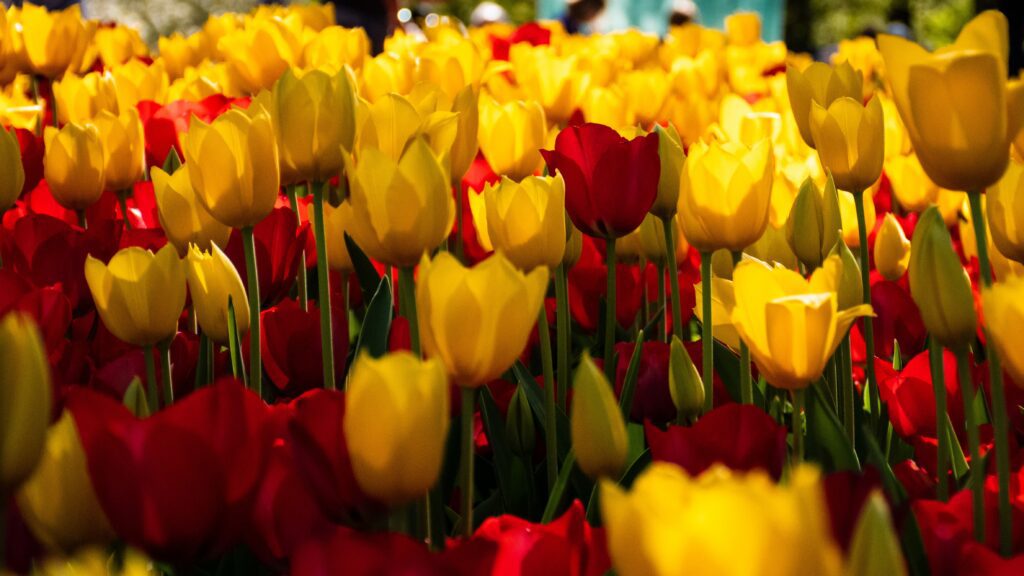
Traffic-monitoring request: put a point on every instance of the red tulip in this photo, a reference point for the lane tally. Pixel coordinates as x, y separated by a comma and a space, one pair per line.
32, 151
162, 125
651, 397
114, 377
610, 182
910, 397
977, 560
531, 33
291, 346
897, 319
587, 287
479, 175
279, 244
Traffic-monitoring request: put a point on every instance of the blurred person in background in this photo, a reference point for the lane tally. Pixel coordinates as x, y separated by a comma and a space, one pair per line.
488, 13
683, 12
580, 15
378, 17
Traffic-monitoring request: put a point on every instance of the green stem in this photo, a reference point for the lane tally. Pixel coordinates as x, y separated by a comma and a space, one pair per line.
848, 392
562, 332
706, 339
83, 222
122, 200
255, 361
942, 433
300, 279
555, 497
153, 395
468, 407
869, 328
165, 366
407, 301
977, 478
323, 286
39, 118
746, 382
673, 276
609, 313
663, 323
798, 426
551, 436
1000, 424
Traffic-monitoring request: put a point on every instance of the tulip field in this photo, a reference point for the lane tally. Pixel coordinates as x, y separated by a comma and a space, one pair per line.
507, 300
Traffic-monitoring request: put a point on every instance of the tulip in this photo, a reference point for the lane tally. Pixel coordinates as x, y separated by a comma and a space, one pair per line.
80, 99
396, 423
849, 139
212, 281
684, 382
598, 430
1005, 211
657, 528
1003, 313
259, 52
820, 84
58, 501
549, 78
136, 82
392, 122
948, 313
892, 249
524, 220
511, 136
124, 145
723, 300
467, 141
97, 561
11, 166
647, 93
451, 66
183, 218
875, 548
118, 44
25, 399
52, 38
650, 238
670, 152
607, 106
336, 226
520, 432
743, 28
336, 47
387, 73
400, 208
848, 276
74, 165
234, 166
814, 223
958, 110
179, 52
851, 221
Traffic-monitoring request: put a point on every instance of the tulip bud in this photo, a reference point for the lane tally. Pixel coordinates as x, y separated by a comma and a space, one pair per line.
598, 430
684, 382
212, 281
396, 423
850, 141
850, 287
58, 501
519, 427
74, 165
670, 151
134, 398
820, 84
124, 144
11, 168
939, 284
1005, 211
812, 228
24, 399
892, 249
875, 548
511, 136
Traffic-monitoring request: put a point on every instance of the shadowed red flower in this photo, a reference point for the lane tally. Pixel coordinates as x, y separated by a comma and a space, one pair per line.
279, 244
32, 152
896, 318
531, 33
114, 377
651, 397
977, 560
588, 287
291, 346
845, 494
739, 436
479, 175
610, 182
52, 313
910, 397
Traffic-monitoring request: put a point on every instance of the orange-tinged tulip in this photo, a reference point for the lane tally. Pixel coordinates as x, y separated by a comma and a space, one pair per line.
124, 144
11, 167
212, 280
598, 430
74, 165
259, 53
511, 136
892, 249
1004, 312
477, 320
335, 47
850, 142
136, 81
80, 99
388, 73
24, 399
1005, 211
392, 122
524, 220
139, 295
821, 84
336, 226
51, 38
183, 218
118, 44
233, 165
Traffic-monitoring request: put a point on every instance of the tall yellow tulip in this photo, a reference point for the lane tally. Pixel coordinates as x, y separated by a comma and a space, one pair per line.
336, 47
183, 218
511, 136
1004, 312
80, 99
51, 39
598, 430
74, 165
850, 141
525, 220
259, 52
392, 122
135, 81
25, 399
1005, 211
212, 279
124, 144
820, 84
10, 165
118, 44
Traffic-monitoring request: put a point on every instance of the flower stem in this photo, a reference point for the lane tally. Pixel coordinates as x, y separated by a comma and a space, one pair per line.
706, 339
83, 221
255, 362
407, 302
746, 383
977, 479
673, 276
941, 431
848, 392
869, 327
122, 200
551, 435
798, 426
563, 330
165, 367
1000, 424
609, 313
663, 332
323, 285
153, 396
300, 279
468, 407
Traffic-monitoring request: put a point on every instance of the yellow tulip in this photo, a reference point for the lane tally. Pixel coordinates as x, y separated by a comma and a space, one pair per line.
477, 321
58, 501
118, 44
598, 430
955, 103
1002, 266
725, 194
897, 143
848, 213
524, 220
336, 226
11, 167
723, 300
234, 167
124, 144
743, 28
814, 224
791, 325
179, 52
511, 136
670, 151
396, 423
911, 186
650, 240
1005, 211
259, 53
80, 99
939, 285
98, 562
24, 399
212, 279
892, 249
820, 84
723, 523
399, 208
392, 122
850, 142
467, 144
315, 122
74, 165
1003, 306
647, 92
139, 295
451, 66
51, 38
335, 47
135, 82
607, 106
684, 382
183, 218
551, 79
388, 73
773, 247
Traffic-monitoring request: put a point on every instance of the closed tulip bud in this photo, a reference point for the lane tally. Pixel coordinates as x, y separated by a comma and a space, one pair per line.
11, 167
524, 220
519, 427
684, 382
820, 84
80, 99
315, 122
477, 320
1005, 211
233, 166
58, 501
74, 165
212, 280
573, 247
670, 152
139, 295
958, 110
1004, 312
875, 548
814, 221
511, 136
400, 208
892, 249
24, 399
396, 423
725, 194
52, 38
939, 285
183, 218
336, 47
124, 144
850, 141
134, 399
849, 288
598, 430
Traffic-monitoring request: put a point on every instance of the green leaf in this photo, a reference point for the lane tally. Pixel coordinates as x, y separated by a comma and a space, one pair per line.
172, 162
235, 345
555, 498
494, 426
629, 384
913, 547
826, 439
641, 462
373, 338
956, 453
365, 272
897, 494
135, 398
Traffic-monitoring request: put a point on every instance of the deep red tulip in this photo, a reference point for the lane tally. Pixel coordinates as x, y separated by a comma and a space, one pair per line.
279, 244
114, 377
52, 313
651, 397
32, 152
587, 287
479, 175
910, 397
291, 346
978, 560
531, 33
897, 319
610, 182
